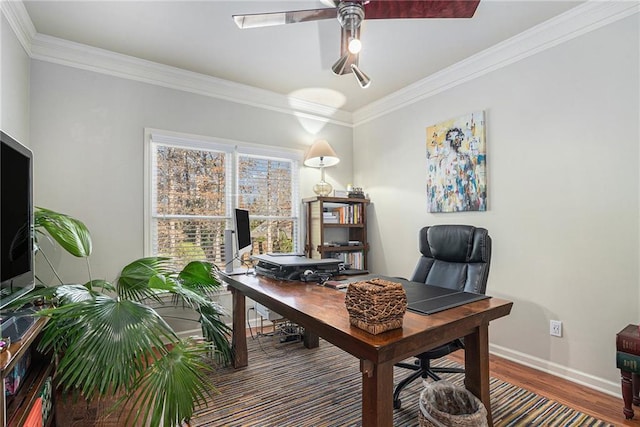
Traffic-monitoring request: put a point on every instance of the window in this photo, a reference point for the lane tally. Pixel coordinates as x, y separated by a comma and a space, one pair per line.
193, 185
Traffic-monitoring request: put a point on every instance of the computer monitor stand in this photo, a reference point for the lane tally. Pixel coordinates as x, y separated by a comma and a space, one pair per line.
228, 251
240, 271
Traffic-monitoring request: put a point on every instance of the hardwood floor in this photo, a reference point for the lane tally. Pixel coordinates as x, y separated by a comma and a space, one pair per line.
584, 399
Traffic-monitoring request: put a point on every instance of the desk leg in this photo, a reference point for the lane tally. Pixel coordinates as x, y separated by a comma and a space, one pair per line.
635, 380
239, 332
377, 394
310, 339
476, 360
627, 393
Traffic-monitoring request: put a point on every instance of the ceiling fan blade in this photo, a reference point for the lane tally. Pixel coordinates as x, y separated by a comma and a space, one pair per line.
330, 3
281, 18
395, 9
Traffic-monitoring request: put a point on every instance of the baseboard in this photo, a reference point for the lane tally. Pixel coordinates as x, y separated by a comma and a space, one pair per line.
599, 384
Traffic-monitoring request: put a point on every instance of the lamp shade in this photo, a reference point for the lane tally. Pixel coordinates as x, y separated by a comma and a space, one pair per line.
321, 155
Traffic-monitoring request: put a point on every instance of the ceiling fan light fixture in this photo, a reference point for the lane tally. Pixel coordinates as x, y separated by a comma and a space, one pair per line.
363, 80
340, 65
355, 45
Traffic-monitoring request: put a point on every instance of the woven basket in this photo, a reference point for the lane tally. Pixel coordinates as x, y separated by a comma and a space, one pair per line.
443, 404
376, 305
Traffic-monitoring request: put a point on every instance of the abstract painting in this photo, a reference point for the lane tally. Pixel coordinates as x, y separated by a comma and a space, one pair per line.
456, 164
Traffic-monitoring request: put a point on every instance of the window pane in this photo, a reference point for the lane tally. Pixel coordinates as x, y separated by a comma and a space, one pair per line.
273, 236
264, 186
188, 240
190, 182
195, 186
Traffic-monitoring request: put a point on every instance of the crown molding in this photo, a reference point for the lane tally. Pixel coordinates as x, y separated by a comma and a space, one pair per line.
64, 52
573, 23
587, 17
20, 22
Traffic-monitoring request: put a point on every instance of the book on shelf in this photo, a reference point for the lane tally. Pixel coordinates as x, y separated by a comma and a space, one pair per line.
330, 217
349, 214
628, 340
354, 259
628, 362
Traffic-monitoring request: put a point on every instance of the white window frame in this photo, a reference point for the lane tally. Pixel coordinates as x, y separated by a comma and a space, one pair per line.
231, 147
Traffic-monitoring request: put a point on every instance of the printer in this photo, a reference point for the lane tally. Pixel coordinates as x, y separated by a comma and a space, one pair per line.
292, 267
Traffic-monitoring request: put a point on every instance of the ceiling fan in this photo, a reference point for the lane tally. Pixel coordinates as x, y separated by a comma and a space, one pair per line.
350, 15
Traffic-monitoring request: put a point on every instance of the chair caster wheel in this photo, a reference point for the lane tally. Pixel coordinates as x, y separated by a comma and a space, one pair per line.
397, 404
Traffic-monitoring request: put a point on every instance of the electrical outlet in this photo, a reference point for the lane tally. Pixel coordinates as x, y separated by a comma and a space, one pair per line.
555, 328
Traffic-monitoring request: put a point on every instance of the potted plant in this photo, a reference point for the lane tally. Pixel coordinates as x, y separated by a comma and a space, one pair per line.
109, 341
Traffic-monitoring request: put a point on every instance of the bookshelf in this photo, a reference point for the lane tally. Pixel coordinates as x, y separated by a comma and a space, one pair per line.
337, 228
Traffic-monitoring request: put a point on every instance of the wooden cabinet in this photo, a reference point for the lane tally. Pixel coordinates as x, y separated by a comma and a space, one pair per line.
337, 228
35, 392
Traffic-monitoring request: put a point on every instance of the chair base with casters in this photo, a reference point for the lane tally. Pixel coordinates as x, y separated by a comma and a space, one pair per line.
423, 368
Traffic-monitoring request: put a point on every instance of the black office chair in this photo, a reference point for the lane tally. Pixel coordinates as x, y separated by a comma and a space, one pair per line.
454, 257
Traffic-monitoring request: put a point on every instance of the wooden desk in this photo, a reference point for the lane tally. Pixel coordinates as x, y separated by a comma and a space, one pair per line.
322, 312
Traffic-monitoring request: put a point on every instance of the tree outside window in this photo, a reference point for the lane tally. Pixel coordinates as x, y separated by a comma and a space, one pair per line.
194, 191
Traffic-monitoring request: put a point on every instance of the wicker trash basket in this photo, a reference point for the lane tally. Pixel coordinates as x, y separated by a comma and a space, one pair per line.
443, 404
376, 305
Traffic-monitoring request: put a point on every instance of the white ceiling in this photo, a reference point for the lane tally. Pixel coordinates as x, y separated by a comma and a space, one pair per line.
294, 59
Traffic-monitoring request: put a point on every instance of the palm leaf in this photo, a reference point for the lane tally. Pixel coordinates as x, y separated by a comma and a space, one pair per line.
70, 233
73, 293
191, 286
189, 297
134, 279
173, 385
215, 330
107, 343
201, 275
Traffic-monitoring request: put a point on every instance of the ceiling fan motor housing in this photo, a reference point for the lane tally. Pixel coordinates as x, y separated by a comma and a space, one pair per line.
350, 15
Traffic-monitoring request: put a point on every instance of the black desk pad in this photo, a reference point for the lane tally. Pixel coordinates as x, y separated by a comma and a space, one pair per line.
434, 305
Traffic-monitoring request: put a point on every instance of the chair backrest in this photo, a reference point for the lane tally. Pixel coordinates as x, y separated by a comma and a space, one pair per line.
455, 257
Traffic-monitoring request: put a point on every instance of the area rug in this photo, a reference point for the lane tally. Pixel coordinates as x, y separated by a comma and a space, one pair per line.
286, 384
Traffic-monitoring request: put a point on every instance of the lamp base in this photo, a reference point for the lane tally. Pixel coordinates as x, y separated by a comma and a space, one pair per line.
322, 189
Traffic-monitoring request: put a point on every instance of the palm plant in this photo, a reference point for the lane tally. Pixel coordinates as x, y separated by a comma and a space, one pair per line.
109, 341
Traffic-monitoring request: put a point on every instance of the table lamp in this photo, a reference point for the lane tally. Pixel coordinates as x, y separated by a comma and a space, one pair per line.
321, 155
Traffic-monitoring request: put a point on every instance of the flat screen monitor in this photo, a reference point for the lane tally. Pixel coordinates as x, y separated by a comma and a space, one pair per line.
243, 232
16, 220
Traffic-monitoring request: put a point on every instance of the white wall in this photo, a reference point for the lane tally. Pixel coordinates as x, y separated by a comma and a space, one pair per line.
14, 85
87, 134
563, 196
